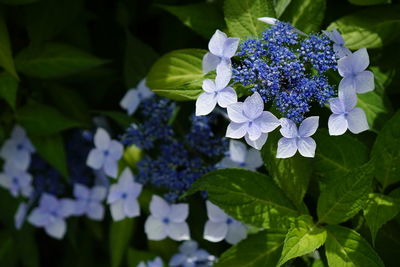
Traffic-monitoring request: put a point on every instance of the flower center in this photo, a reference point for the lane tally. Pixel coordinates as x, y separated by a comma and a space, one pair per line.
166, 220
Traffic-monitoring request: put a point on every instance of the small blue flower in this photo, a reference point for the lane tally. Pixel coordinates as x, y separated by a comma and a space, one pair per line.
297, 139
241, 157
51, 214
17, 181
167, 220
157, 262
106, 153
88, 201
123, 197
134, 97
222, 49
191, 256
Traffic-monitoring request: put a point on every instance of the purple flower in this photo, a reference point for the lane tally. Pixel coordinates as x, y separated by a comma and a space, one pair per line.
221, 226
250, 121
221, 49
51, 215
216, 92
241, 157
167, 220
346, 115
106, 153
191, 256
18, 182
123, 197
17, 150
88, 201
132, 99
300, 139
338, 46
353, 70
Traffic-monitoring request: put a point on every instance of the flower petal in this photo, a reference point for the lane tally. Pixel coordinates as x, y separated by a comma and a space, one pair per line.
216, 44
38, 218
235, 113
20, 215
205, 103
254, 160
155, 228
236, 232
230, 46
348, 99
101, 139
178, 212
357, 121
309, 126
130, 102
306, 146
178, 259
226, 96
95, 211
81, 191
257, 144
345, 66
268, 20
215, 231
144, 91
215, 214
188, 247
224, 75
178, 231
337, 124
254, 132
253, 106
237, 151
111, 167
115, 150
56, 229
117, 210
210, 62
267, 122
159, 208
289, 128
209, 86
360, 60
131, 207
95, 159
364, 82
236, 130
287, 147
98, 193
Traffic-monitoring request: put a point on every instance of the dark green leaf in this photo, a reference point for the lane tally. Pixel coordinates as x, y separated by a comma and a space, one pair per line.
302, 238
203, 18
250, 197
369, 2
178, 75
379, 210
8, 88
6, 58
17, 2
241, 16
280, 6
345, 247
44, 120
261, 249
386, 151
370, 28
120, 235
306, 15
54, 60
345, 196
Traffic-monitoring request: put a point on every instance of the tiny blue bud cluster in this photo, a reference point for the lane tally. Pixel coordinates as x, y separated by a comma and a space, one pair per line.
287, 69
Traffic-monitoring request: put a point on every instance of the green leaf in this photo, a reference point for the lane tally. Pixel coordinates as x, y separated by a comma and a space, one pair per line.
379, 210
280, 6
302, 238
6, 58
261, 249
54, 60
241, 16
44, 120
178, 75
369, 2
292, 175
120, 235
386, 151
337, 155
306, 15
345, 196
51, 148
17, 2
139, 57
370, 28
203, 18
250, 197
346, 248
8, 88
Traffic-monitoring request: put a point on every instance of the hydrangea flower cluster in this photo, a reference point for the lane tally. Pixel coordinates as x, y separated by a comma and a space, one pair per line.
287, 71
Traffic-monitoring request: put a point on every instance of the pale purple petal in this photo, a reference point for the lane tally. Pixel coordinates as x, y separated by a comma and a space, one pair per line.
102, 139
178, 231
95, 211
49, 202
66, 207
288, 129
179, 212
95, 159
224, 74
268, 20
130, 102
348, 99
237, 151
341, 51
98, 193
215, 214
347, 84
155, 228
188, 247
236, 130
144, 91
115, 150
254, 132
360, 60
357, 121
111, 167
309, 126
159, 208
267, 122
230, 47
215, 231
306, 146
337, 124
157, 262
117, 210
226, 96
56, 229
81, 191
345, 66
257, 144
364, 82
205, 103
131, 207
210, 62
235, 113
209, 86
115, 193
216, 44
254, 160
126, 178
236, 232
38, 217
287, 147
253, 106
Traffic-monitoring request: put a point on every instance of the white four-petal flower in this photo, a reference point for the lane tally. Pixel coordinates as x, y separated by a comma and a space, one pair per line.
216, 92
106, 153
353, 70
130, 102
249, 120
241, 157
123, 197
191, 256
88, 201
222, 49
297, 139
220, 226
346, 115
338, 43
167, 220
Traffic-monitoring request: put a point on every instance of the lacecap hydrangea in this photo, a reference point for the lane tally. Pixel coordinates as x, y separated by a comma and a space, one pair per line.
289, 73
